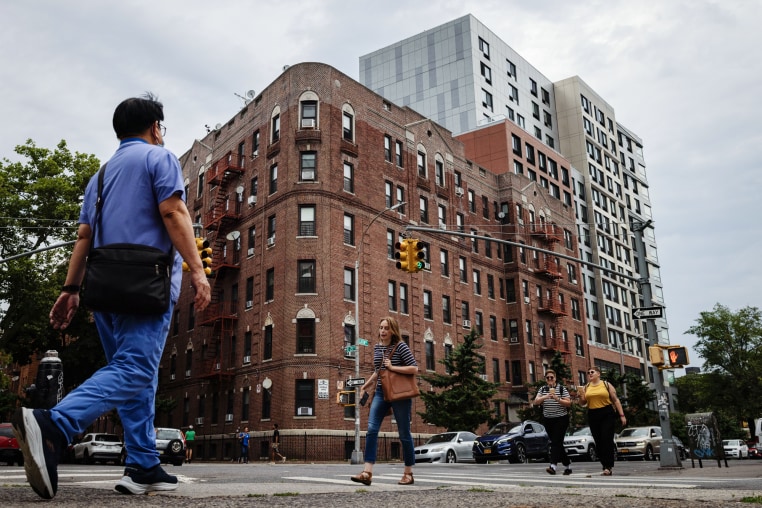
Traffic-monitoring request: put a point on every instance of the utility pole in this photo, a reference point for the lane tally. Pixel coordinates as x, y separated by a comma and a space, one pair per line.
668, 456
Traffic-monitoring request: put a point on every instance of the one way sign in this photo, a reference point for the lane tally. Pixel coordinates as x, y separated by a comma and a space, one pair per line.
647, 312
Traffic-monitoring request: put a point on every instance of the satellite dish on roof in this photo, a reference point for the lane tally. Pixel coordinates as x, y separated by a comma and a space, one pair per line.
239, 189
250, 94
217, 127
233, 235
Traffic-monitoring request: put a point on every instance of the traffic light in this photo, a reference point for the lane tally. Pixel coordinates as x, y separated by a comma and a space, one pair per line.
346, 398
415, 256
678, 356
402, 255
655, 356
205, 253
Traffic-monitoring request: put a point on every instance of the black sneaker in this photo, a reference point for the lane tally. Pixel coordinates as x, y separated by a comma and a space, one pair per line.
137, 480
42, 444
567, 471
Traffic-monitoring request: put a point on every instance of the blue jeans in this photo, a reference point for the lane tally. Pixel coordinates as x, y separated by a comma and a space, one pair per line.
133, 347
402, 412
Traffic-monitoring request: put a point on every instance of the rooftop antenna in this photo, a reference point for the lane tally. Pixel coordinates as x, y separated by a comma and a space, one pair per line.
249, 96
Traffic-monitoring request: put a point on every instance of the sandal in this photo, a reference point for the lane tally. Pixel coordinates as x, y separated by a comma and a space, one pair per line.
606, 472
407, 479
365, 478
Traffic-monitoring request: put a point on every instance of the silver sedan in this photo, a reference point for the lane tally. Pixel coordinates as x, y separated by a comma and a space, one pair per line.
447, 447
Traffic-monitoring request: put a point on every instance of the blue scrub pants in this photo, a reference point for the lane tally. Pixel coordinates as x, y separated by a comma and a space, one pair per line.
133, 347
378, 410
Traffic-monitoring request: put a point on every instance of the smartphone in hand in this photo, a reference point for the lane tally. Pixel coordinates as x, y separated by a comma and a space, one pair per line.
364, 399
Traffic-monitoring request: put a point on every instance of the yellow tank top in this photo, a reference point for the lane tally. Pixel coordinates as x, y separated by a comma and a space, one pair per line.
597, 396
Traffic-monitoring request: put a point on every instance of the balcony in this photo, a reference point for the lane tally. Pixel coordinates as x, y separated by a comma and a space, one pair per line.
548, 268
228, 210
217, 311
308, 136
552, 306
231, 163
225, 258
547, 232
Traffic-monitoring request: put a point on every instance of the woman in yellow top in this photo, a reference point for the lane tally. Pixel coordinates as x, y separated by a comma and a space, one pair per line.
603, 409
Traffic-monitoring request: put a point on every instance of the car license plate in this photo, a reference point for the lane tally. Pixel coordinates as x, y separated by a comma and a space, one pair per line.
625, 450
488, 450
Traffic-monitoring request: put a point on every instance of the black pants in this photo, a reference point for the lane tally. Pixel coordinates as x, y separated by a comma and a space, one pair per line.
602, 422
556, 428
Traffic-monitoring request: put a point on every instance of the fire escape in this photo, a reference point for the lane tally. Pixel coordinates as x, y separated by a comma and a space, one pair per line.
551, 304
221, 217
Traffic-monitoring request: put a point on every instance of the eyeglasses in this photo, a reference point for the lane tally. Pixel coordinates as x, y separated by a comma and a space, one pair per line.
549, 377
162, 129
592, 371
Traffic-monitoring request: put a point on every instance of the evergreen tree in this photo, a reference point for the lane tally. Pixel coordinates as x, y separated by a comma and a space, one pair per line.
461, 399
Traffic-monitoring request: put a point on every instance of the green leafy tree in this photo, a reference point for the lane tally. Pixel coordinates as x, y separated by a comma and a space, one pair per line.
731, 345
461, 399
40, 198
707, 393
564, 376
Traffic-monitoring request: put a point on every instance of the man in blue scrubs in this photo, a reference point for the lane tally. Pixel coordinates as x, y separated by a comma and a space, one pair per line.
143, 195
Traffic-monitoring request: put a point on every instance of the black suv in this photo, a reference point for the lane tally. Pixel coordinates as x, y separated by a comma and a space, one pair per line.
515, 442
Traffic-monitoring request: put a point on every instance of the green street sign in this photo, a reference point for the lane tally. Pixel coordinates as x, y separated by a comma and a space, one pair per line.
362, 342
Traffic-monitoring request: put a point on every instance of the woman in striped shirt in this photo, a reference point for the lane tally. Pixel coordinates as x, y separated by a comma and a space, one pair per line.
555, 401
401, 361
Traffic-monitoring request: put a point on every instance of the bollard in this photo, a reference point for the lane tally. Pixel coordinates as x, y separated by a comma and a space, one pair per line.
48, 388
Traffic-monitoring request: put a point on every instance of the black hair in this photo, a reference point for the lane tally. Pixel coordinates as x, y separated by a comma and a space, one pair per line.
133, 116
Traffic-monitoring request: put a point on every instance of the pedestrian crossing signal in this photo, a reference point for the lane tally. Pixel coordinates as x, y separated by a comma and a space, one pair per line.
678, 356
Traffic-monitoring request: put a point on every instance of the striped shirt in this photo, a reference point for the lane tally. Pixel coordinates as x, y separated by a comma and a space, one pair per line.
402, 356
552, 408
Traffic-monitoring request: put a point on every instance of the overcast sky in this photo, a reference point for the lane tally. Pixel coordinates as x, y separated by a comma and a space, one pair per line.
685, 75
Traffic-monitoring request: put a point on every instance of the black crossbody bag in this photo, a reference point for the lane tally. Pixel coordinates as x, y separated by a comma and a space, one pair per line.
126, 278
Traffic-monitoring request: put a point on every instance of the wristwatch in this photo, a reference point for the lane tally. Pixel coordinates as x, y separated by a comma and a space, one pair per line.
70, 288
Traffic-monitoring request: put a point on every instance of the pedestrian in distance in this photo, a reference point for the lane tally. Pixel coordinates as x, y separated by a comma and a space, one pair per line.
143, 195
276, 446
555, 401
603, 410
401, 361
243, 438
190, 440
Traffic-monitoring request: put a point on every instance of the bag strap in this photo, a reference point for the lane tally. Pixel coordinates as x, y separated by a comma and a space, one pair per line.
98, 204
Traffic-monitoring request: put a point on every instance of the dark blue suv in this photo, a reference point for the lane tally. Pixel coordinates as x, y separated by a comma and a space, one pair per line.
515, 442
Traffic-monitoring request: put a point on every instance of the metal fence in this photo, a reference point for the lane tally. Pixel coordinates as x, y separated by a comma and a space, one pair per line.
313, 446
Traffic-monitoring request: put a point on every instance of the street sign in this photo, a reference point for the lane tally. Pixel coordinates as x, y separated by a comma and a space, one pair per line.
362, 342
648, 312
350, 349
355, 382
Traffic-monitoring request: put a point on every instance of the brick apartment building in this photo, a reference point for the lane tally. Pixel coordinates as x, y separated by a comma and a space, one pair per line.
296, 188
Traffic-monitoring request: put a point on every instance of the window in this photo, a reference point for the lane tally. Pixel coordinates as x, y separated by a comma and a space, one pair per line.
309, 114
273, 178
275, 128
516, 377
471, 201
442, 216
270, 285
398, 153
306, 276
459, 222
444, 262
487, 100
255, 144
535, 110
388, 194
348, 126
349, 177
462, 269
493, 328
421, 164
448, 354
401, 199
490, 286
484, 48
511, 69
392, 292
464, 312
439, 173
253, 188
533, 86
403, 298
349, 284
305, 336
424, 206
486, 73
307, 220
267, 352
510, 290
271, 230
516, 144
430, 363
446, 314
305, 397
390, 244
513, 94
479, 322
427, 310
477, 282
528, 330
387, 148
249, 292
307, 166
349, 229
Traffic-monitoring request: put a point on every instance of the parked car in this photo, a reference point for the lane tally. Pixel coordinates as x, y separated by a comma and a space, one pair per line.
447, 447
515, 442
682, 451
9, 447
735, 449
638, 443
580, 443
171, 445
97, 447
755, 451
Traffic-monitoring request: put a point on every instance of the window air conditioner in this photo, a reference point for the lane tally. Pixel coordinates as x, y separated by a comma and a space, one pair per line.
252, 200
526, 299
250, 252
200, 420
217, 366
308, 123
466, 323
247, 359
574, 281
304, 411
171, 377
271, 241
459, 191
249, 304
484, 377
188, 373
255, 153
229, 417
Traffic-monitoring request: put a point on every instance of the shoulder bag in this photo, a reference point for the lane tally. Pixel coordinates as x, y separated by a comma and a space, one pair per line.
398, 386
126, 278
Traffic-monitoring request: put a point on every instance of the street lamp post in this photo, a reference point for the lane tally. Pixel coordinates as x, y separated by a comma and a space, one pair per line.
357, 456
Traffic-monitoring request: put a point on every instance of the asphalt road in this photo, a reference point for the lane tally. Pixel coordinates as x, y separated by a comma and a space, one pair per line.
633, 485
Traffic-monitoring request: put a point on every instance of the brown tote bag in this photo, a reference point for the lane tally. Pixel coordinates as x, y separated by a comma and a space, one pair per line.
398, 386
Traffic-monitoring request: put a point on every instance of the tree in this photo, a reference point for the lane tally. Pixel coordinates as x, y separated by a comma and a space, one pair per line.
731, 345
40, 200
461, 398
